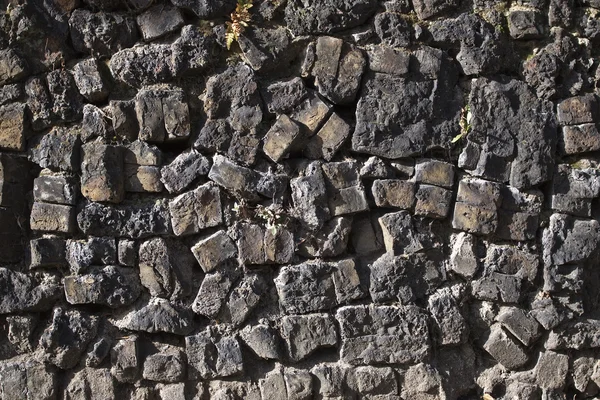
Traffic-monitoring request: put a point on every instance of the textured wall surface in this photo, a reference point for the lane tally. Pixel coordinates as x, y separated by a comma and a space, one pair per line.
360, 199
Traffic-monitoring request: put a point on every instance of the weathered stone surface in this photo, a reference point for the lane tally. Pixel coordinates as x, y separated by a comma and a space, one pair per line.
82, 254
282, 96
318, 16
426, 115
125, 360
111, 286
431, 8
52, 218
165, 268
551, 370
169, 365
142, 179
311, 113
264, 341
244, 298
330, 241
159, 20
47, 252
57, 150
305, 288
157, 316
476, 205
579, 139
505, 349
526, 24
279, 245
213, 292
64, 341
388, 60
196, 210
60, 189
434, 172
25, 293
27, 380
86, 27
399, 234
13, 128
12, 66
283, 136
444, 306
207, 9
383, 334
372, 381
528, 161
89, 80
393, 30
127, 252
102, 177
520, 324
142, 153
337, 69
569, 240
214, 250
226, 359
132, 220
163, 114
92, 383
575, 335
310, 197
394, 193
433, 201
328, 139
578, 110
184, 170
304, 334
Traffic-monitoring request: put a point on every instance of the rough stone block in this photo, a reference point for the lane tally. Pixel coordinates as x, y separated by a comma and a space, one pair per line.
434, 172
429, 8
24, 293
214, 250
505, 349
59, 189
13, 127
82, 254
579, 139
264, 341
304, 334
163, 115
526, 24
88, 79
433, 201
311, 113
48, 252
157, 316
159, 20
142, 179
111, 286
394, 193
196, 210
127, 252
58, 150
520, 324
305, 288
383, 334
168, 366
399, 235
226, 351
578, 110
328, 139
282, 138
102, 175
52, 218
184, 170
27, 380
551, 370
279, 245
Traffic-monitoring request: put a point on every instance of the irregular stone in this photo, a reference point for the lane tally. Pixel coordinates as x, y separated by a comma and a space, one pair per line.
142, 179
26, 293
310, 196
39, 103
426, 116
124, 121
143, 65
101, 33
330, 379
298, 384
184, 170
433, 201
365, 235
394, 193
166, 268
125, 360
214, 250
475, 210
505, 349
282, 138
13, 67
10, 93
88, 79
399, 234
59, 189
318, 16
405, 278
102, 173
444, 307
82, 254
207, 9
163, 115
91, 383
272, 386
282, 96
420, 380
328, 139
305, 288
551, 370
168, 365
388, 60
569, 240
224, 350
347, 200
329, 241
265, 49
52, 218
127, 252
311, 113
304, 334
95, 124
65, 340
371, 381
27, 380
264, 341
520, 324
213, 292
47, 252
12, 127
196, 210
251, 243
157, 316
430, 8
337, 69
383, 334
57, 150
526, 24
521, 156
159, 20
142, 153
133, 220
234, 178
67, 103
244, 298
279, 245
111, 286
578, 110
341, 175
434, 172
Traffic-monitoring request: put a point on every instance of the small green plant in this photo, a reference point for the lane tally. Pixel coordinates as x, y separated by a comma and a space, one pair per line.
273, 216
465, 123
239, 22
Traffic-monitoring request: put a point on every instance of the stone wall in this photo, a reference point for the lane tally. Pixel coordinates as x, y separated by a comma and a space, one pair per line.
361, 199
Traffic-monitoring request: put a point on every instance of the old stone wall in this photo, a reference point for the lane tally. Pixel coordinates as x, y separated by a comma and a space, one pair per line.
359, 199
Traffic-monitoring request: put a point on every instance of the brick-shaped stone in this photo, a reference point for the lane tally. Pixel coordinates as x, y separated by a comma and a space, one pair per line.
12, 127
102, 175
214, 250
196, 210
283, 136
394, 193
433, 201
52, 218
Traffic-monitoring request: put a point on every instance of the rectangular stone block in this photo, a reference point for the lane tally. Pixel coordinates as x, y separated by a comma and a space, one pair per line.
283, 136
578, 110
394, 193
52, 218
142, 179
12, 127
196, 210
433, 201
47, 252
434, 172
328, 139
102, 175
58, 189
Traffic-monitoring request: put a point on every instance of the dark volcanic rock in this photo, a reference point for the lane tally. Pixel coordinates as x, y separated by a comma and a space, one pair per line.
321, 16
